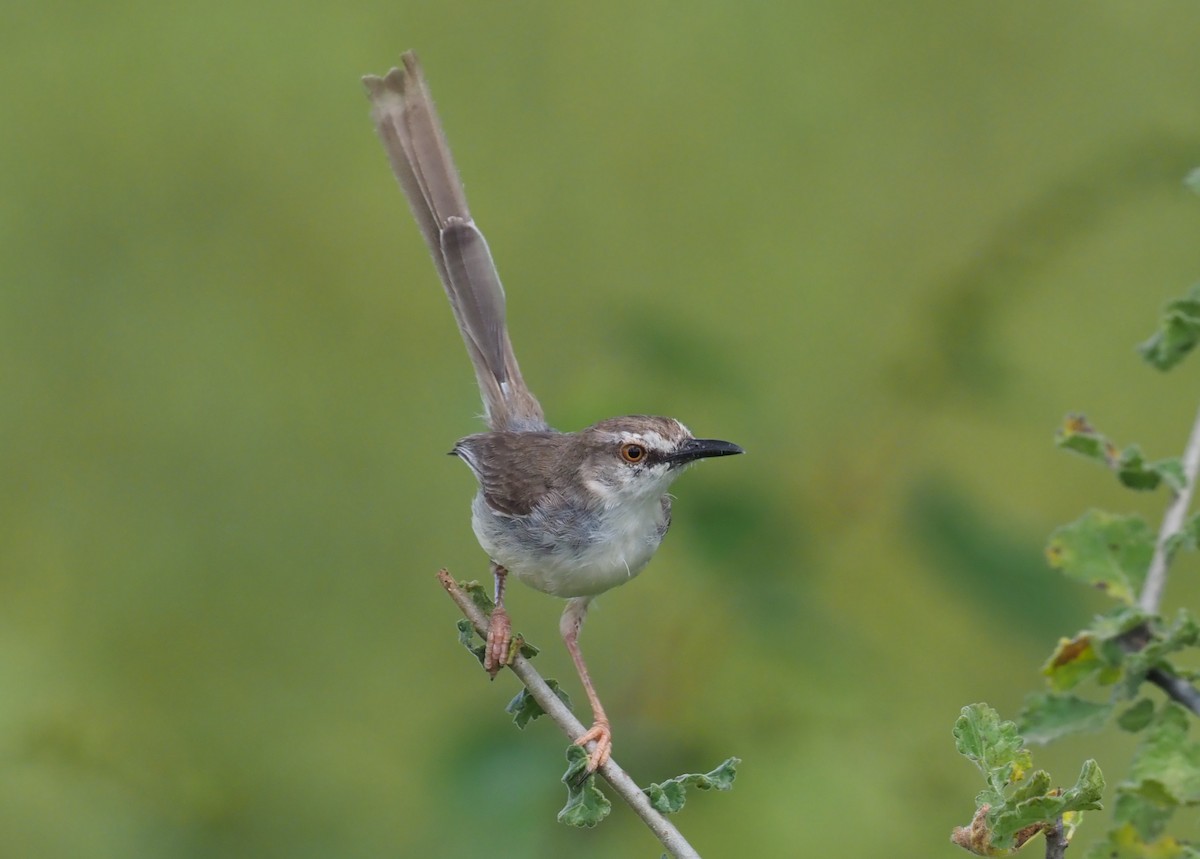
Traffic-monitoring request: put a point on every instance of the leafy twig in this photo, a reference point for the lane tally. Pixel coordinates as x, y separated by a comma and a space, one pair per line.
1156, 576
620, 781
1019, 802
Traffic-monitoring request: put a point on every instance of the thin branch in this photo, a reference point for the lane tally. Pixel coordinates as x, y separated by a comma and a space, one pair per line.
1156, 576
624, 786
1056, 845
1177, 688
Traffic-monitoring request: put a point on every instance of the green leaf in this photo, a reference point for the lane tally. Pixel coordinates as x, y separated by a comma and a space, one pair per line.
1034, 787
1136, 473
1027, 809
523, 647
524, 708
669, 796
1166, 766
1077, 435
1177, 334
1148, 818
1097, 653
994, 746
1124, 842
1104, 653
1047, 716
1017, 804
1132, 470
479, 595
1171, 471
586, 805
466, 637
1136, 717
1073, 661
1116, 623
1183, 633
1105, 550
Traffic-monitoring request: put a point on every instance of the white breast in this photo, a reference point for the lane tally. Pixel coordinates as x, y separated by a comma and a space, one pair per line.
580, 552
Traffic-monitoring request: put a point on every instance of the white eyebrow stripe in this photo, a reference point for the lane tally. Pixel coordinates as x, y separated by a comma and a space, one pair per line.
650, 438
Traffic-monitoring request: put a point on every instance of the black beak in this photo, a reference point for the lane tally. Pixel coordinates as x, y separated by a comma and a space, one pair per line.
702, 448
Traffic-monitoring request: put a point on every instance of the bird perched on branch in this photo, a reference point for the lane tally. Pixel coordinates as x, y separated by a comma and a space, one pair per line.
570, 514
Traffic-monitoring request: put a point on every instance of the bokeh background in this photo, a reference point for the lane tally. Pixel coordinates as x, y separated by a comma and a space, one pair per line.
885, 247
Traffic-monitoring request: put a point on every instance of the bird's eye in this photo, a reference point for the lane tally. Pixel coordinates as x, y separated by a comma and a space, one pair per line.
633, 452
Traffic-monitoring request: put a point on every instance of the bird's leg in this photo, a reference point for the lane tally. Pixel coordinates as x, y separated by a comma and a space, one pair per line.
600, 733
499, 636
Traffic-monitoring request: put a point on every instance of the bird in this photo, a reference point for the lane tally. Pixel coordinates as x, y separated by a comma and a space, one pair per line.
571, 514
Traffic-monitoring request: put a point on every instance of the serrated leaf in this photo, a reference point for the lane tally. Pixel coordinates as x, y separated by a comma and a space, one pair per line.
478, 594
1136, 717
1183, 633
669, 796
994, 746
1148, 818
1166, 766
1177, 334
1133, 471
1017, 804
1098, 653
1073, 661
525, 708
1087, 791
586, 804
1047, 716
1036, 786
466, 637
1027, 809
1077, 435
1105, 550
1134, 474
523, 647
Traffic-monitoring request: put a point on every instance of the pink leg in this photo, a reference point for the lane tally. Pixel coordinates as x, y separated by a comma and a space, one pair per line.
600, 733
499, 636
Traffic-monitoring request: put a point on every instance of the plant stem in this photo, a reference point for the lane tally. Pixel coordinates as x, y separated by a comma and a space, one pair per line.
624, 786
1056, 845
1156, 576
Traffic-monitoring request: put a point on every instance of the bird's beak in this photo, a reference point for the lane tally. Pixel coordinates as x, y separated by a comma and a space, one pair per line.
702, 448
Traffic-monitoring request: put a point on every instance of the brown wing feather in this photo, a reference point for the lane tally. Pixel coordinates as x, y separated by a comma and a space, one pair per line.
516, 470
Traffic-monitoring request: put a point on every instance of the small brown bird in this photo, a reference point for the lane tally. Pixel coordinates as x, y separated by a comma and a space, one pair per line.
571, 514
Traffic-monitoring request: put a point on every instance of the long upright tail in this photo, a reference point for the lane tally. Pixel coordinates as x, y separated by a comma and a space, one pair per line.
412, 135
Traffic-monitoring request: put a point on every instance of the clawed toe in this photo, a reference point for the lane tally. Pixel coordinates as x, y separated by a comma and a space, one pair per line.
499, 639
601, 735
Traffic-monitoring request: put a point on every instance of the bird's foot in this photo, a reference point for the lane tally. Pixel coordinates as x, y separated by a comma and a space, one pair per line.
499, 640
601, 734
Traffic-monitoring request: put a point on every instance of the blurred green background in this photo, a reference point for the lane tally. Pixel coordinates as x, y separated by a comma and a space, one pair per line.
883, 246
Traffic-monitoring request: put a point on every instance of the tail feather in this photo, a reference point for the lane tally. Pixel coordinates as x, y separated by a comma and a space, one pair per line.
412, 136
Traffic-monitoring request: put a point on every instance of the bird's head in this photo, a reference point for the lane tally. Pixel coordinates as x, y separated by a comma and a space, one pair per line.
639, 456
